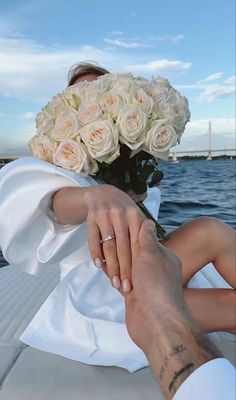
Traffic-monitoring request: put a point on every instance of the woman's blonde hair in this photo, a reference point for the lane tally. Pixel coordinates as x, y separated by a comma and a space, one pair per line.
82, 69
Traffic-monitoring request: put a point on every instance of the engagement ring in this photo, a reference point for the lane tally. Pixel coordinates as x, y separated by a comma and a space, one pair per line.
107, 238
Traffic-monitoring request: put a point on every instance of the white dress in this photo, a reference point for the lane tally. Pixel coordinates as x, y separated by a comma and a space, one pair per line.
83, 318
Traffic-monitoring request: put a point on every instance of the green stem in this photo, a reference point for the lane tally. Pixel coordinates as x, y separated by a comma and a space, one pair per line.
161, 233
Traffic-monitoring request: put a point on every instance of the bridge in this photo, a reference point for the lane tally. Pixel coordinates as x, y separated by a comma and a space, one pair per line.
173, 153
209, 151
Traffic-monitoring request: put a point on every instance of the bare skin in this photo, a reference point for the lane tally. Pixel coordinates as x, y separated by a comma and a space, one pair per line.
108, 212
198, 243
157, 318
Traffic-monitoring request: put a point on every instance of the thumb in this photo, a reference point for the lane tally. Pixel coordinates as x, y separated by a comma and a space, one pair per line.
147, 234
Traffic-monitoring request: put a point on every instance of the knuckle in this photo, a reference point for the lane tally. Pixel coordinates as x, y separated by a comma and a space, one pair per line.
125, 272
112, 267
134, 213
118, 212
109, 246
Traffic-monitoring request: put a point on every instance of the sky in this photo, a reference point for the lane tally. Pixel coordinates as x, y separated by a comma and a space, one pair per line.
189, 42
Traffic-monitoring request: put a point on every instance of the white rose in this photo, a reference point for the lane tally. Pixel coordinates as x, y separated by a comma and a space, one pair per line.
160, 89
123, 82
73, 156
89, 113
66, 125
93, 92
53, 106
42, 147
101, 139
75, 94
71, 100
113, 101
104, 83
132, 122
144, 101
160, 138
177, 110
44, 122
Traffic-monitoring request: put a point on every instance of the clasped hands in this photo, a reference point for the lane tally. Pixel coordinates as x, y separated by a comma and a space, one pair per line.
145, 272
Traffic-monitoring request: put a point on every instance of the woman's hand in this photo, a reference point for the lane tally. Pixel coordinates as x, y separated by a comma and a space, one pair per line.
111, 212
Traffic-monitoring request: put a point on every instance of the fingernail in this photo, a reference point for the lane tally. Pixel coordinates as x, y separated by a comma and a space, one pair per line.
150, 226
115, 281
126, 285
98, 263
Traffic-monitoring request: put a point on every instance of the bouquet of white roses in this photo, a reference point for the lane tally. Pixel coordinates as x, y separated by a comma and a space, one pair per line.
117, 125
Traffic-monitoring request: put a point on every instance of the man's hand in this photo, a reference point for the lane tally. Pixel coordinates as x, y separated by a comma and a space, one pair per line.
157, 288
157, 317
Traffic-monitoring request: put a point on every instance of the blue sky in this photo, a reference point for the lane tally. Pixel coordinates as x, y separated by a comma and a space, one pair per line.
189, 42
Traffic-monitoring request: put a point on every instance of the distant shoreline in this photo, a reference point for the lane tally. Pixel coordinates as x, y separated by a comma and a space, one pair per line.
4, 161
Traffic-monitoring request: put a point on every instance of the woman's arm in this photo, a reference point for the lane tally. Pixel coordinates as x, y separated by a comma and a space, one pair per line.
109, 212
69, 205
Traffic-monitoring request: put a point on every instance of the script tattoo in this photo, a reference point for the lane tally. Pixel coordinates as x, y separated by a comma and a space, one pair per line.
177, 375
175, 350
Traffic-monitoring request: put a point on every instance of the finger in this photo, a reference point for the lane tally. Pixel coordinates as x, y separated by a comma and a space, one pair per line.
135, 222
147, 235
110, 254
123, 253
94, 244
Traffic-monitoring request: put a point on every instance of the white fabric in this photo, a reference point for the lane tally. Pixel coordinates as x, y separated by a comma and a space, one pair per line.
214, 380
83, 318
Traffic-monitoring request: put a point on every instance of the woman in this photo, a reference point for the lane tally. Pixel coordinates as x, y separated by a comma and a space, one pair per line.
83, 318
109, 212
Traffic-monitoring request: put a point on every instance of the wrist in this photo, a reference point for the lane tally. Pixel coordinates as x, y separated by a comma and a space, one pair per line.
177, 347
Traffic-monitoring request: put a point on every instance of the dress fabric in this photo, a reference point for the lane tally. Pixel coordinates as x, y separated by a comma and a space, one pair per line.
84, 317
214, 380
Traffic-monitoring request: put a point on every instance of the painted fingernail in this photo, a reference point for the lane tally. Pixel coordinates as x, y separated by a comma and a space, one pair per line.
126, 285
115, 281
98, 263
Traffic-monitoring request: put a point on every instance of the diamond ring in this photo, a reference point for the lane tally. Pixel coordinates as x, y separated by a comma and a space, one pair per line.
107, 238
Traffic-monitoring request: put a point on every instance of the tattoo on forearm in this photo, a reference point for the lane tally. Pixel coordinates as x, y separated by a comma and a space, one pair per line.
175, 350
177, 375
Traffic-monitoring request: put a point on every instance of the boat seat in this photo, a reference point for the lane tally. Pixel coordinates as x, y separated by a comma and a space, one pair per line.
27, 373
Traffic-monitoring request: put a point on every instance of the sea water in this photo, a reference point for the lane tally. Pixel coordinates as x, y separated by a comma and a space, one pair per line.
194, 188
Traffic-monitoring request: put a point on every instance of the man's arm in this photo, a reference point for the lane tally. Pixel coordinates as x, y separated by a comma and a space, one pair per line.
159, 322
178, 348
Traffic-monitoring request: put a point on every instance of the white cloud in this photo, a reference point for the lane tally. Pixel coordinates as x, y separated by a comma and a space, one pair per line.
213, 77
219, 126
142, 42
127, 44
231, 80
27, 115
196, 135
161, 65
211, 91
177, 38
31, 70
214, 92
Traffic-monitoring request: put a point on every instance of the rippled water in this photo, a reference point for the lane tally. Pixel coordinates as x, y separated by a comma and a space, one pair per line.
196, 188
